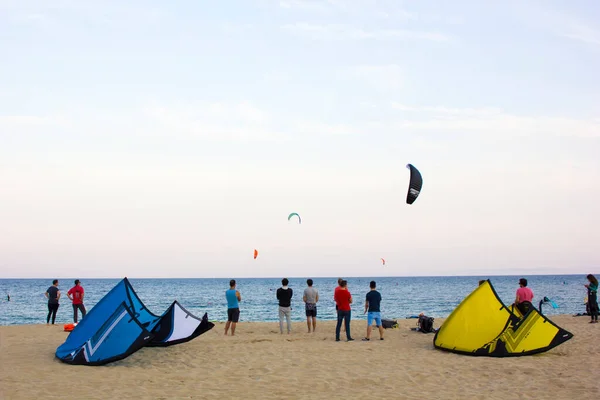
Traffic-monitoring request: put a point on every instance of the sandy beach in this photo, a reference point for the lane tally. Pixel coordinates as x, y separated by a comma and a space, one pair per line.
260, 363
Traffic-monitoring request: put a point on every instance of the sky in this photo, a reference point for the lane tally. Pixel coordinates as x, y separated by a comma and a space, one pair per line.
171, 139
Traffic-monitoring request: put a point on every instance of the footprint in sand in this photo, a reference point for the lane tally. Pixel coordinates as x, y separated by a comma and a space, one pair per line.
260, 340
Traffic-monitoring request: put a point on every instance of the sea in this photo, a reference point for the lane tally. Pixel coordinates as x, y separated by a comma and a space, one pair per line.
402, 297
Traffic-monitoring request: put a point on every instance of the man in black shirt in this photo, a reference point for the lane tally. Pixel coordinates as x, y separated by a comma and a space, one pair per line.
53, 295
372, 303
284, 295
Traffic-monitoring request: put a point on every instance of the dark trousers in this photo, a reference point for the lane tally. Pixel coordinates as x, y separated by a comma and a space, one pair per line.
343, 315
52, 309
593, 303
76, 307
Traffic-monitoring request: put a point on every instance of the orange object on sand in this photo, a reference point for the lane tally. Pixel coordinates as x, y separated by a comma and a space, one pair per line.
69, 327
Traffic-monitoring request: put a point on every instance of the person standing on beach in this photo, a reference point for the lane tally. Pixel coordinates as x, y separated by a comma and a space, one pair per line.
75, 294
339, 286
372, 305
311, 297
592, 288
233, 307
343, 299
524, 296
284, 295
53, 295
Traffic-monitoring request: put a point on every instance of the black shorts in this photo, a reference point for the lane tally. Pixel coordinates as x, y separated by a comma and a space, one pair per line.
233, 314
311, 310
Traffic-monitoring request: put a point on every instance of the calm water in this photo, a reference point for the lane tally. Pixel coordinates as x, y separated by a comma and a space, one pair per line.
402, 297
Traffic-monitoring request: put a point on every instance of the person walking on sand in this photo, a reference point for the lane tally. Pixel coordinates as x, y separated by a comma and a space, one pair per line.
311, 297
53, 295
75, 294
372, 305
592, 288
233, 307
284, 295
343, 299
524, 298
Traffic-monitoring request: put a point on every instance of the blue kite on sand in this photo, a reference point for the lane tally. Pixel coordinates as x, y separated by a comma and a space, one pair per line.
120, 324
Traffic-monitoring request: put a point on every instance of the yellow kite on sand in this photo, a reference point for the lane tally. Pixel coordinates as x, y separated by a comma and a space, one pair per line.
482, 325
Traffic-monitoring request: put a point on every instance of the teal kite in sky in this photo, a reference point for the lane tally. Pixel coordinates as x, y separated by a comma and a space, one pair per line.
296, 214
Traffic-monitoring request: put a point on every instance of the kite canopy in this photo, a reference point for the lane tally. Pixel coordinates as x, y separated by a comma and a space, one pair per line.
295, 214
482, 325
120, 324
383, 261
255, 253
415, 184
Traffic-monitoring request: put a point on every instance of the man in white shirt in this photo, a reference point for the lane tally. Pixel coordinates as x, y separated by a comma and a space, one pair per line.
311, 297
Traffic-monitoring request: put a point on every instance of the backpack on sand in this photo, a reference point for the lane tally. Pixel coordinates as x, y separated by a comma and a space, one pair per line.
389, 323
425, 324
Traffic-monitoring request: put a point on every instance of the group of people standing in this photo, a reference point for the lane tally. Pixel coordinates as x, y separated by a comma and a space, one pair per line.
341, 295
75, 294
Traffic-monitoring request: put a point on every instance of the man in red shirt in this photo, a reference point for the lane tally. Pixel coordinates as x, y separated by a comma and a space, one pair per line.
76, 296
343, 299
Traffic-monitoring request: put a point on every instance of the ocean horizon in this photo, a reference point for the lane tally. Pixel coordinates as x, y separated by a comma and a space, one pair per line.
402, 297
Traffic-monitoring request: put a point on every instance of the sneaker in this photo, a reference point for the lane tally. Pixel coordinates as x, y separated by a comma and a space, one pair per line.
366, 339
349, 340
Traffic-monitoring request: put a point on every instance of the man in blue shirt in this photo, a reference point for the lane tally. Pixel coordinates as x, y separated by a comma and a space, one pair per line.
373, 300
233, 308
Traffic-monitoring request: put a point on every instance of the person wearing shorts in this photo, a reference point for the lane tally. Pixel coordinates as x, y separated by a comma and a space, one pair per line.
311, 297
372, 306
233, 307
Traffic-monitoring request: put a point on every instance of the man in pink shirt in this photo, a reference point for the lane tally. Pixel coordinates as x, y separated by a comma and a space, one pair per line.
524, 298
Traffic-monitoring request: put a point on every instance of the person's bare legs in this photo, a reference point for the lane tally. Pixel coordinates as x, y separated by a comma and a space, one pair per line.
308, 323
227, 327
381, 331
369, 329
233, 324
314, 323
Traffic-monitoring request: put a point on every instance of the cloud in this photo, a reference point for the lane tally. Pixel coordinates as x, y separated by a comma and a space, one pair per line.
582, 33
9, 123
382, 77
109, 12
494, 120
346, 32
374, 8
307, 5
560, 23
209, 121
387, 10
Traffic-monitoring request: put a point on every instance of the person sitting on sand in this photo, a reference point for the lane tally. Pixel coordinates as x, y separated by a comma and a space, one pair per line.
53, 295
284, 295
311, 297
233, 307
372, 305
524, 298
343, 299
75, 294
592, 288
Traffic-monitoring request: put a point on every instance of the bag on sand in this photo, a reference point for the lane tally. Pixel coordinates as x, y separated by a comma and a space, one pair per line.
389, 323
425, 324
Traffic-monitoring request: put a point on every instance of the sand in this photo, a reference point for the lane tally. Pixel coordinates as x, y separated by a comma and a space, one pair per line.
260, 363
